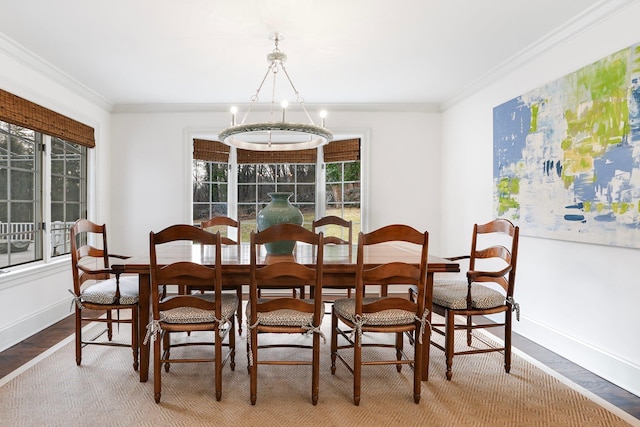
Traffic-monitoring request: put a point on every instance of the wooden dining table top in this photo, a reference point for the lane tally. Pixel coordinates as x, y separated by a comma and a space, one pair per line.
236, 258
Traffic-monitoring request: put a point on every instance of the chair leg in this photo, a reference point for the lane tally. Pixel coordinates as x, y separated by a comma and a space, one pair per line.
449, 331
135, 346
334, 340
78, 336
109, 325
469, 324
218, 361
425, 355
239, 310
157, 369
315, 378
417, 364
166, 354
248, 351
399, 346
507, 341
357, 369
232, 346
254, 366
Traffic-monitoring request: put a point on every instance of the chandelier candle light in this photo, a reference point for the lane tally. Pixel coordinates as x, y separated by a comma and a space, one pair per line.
276, 134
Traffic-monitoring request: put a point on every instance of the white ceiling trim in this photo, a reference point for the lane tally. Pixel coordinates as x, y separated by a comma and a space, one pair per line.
224, 108
36, 63
587, 19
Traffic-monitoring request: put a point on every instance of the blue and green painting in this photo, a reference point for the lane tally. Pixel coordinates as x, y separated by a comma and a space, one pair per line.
566, 161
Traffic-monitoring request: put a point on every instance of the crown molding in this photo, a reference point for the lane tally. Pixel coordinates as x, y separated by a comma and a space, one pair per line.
224, 108
589, 18
26, 57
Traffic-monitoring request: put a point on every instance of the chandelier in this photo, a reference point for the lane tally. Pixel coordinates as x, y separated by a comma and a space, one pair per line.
276, 133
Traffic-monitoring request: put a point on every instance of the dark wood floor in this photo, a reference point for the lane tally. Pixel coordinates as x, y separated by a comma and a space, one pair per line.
21, 353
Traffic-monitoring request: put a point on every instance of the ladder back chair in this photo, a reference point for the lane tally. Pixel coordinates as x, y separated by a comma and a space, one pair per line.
486, 291
337, 231
208, 312
97, 287
352, 317
284, 315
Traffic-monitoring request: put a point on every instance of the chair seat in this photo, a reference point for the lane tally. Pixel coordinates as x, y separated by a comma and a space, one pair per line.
453, 294
198, 315
284, 317
104, 292
346, 307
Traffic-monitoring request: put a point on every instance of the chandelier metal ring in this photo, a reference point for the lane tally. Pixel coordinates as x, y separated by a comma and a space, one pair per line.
315, 136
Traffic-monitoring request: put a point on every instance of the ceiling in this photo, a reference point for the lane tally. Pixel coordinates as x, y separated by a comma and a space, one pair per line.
339, 51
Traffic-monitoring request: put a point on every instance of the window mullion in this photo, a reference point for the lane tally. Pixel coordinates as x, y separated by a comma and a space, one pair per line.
321, 184
46, 196
232, 189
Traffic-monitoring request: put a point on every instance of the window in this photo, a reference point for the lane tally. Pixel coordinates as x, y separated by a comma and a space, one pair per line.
26, 210
209, 190
20, 195
260, 173
68, 191
256, 181
343, 192
43, 179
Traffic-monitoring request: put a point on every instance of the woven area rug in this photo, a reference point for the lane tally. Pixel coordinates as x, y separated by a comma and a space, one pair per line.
105, 391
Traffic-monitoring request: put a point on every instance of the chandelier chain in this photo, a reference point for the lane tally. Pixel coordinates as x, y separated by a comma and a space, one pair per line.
275, 134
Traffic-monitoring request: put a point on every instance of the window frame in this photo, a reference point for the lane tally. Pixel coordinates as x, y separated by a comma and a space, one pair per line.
212, 135
42, 245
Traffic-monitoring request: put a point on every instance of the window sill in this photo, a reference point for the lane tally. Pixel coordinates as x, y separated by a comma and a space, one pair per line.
15, 276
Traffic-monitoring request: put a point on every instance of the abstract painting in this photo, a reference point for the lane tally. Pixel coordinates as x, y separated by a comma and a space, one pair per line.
567, 155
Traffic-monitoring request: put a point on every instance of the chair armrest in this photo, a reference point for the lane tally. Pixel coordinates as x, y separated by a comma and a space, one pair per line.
119, 256
472, 275
84, 269
459, 257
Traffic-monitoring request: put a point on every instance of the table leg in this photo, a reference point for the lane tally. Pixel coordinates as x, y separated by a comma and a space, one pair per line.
428, 305
144, 290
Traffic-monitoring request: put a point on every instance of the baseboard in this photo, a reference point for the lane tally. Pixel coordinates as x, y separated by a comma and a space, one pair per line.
609, 366
25, 327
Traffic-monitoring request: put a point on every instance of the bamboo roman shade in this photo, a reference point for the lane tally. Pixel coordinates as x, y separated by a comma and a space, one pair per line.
276, 157
210, 151
18, 111
347, 150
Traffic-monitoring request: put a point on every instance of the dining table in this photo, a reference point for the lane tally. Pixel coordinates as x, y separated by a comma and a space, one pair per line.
339, 268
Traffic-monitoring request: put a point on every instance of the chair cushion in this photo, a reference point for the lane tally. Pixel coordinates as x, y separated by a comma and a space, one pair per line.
284, 317
346, 307
104, 291
198, 315
453, 294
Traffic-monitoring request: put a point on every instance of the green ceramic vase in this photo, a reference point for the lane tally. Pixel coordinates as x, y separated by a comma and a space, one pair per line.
278, 211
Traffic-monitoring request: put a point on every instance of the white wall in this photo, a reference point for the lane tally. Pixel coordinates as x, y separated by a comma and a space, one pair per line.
578, 300
35, 296
152, 177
